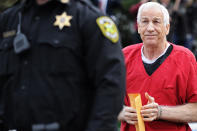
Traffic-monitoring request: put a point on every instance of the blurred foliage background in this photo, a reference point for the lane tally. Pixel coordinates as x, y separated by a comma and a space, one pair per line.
6, 4
127, 3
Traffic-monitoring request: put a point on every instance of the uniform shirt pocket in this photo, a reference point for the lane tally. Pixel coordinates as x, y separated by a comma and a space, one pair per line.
56, 55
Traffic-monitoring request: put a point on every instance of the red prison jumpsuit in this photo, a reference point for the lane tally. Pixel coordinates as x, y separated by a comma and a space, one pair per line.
173, 83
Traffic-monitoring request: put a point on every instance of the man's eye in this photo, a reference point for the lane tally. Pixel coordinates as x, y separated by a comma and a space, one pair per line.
144, 21
156, 22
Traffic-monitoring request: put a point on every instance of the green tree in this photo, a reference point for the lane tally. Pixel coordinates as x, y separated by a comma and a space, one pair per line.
125, 22
127, 3
6, 4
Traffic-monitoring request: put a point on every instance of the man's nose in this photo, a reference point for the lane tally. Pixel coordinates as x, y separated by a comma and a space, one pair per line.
150, 26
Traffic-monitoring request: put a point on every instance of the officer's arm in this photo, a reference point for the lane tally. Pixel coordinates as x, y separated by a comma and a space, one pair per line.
106, 70
1, 29
3, 21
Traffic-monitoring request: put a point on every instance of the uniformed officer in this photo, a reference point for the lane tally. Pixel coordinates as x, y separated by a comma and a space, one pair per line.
61, 67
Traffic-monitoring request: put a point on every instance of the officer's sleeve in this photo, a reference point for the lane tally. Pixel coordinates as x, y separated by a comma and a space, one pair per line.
1, 29
3, 21
106, 70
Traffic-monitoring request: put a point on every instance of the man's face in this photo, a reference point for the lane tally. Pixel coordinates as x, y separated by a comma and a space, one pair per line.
151, 27
41, 2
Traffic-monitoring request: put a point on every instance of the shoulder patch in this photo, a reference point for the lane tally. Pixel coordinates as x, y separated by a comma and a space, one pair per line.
108, 28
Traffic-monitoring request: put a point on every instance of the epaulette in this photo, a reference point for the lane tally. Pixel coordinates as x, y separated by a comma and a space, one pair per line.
15, 8
90, 5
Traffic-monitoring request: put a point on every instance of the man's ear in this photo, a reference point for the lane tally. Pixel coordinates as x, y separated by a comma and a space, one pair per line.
167, 29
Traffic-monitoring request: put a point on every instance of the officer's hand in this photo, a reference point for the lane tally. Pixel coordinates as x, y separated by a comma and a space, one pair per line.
128, 114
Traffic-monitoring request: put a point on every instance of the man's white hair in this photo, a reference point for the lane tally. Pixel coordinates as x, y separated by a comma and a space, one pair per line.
166, 17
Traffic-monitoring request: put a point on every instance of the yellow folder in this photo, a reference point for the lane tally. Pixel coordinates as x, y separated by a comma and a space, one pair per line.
135, 101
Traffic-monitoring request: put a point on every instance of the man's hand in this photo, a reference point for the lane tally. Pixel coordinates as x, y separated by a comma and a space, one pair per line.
151, 111
128, 114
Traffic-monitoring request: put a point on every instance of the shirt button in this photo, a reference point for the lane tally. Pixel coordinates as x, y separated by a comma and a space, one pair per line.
30, 38
56, 41
6, 45
25, 62
23, 87
37, 18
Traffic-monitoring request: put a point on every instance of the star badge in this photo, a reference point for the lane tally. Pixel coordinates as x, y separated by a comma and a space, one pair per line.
64, 1
63, 20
